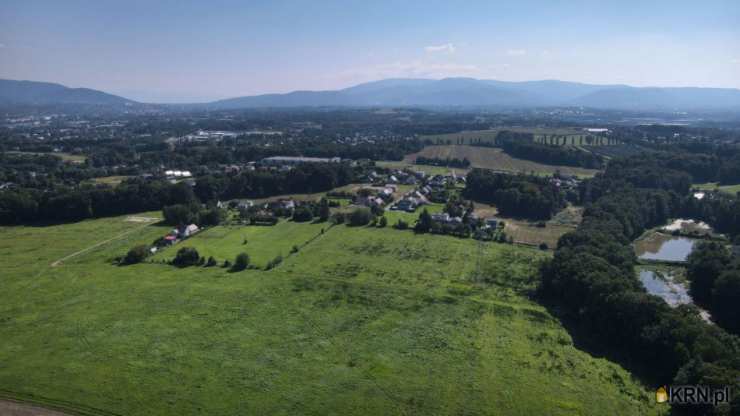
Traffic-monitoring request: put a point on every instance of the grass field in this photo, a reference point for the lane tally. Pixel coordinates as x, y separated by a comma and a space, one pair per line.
264, 243
496, 159
360, 321
428, 169
525, 232
109, 180
67, 157
562, 136
714, 186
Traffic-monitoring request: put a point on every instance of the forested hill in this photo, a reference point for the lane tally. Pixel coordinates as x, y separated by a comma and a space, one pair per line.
45, 93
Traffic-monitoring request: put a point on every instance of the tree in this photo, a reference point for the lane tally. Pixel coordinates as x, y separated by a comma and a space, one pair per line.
360, 216
401, 225
186, 256
302, 214
324, 211
211, 216
241, 262
211, 262
726, 300
136, 254
424, 223
383, 222
179, 214
705, 263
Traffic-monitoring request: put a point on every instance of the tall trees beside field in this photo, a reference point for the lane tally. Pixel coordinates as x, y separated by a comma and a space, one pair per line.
592, 279
523, 146
69, 204
62, 204
515, 195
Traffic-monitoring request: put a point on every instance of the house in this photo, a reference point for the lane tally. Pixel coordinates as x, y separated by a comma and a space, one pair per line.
170, 239
187, 231
407, 205
492, 222
244, 204
441, 217
370, 201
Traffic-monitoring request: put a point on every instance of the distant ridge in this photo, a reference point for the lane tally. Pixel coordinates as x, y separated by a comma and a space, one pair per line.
45, 93
469, 92
400, 92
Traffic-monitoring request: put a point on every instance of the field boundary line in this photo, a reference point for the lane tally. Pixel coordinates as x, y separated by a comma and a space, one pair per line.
96, 245
55, 405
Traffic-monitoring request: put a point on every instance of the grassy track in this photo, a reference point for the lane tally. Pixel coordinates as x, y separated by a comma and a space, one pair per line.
360, 321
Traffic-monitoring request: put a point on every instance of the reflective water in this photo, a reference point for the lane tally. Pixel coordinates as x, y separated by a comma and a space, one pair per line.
673, 293
658, 246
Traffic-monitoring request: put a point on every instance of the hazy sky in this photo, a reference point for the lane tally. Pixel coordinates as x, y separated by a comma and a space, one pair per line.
167, 51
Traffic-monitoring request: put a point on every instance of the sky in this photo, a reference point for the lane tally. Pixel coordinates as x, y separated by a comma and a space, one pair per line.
188, 51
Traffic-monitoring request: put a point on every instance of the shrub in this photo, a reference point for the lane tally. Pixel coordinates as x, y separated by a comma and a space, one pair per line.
337, 218
274, 262
241, 262
383, 222
211, 262
186, 256
294, 249
360, 216
302, 214
544, 246
324, 211
136, 255
401, 225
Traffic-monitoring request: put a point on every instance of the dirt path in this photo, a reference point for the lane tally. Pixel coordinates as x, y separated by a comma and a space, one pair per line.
96, 245
13, 408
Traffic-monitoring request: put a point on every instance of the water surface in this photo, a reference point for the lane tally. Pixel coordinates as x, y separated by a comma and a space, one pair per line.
657, 246
663, 286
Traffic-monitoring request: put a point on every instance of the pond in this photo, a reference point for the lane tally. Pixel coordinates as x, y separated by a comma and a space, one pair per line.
657, 246
662, 285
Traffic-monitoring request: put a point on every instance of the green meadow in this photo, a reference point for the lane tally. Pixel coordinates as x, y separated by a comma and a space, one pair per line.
714, 186
263, 243
359, 321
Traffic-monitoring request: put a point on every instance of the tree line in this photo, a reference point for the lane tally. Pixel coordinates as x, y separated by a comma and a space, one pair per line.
592, 280
63, 204
526, 196
523, 146
453, 162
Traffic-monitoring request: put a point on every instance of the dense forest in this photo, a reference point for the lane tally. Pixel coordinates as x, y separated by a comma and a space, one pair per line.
24, 206
515, 195
592, 280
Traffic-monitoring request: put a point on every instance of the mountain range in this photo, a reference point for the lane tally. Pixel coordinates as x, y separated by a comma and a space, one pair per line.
45, 93
459, 92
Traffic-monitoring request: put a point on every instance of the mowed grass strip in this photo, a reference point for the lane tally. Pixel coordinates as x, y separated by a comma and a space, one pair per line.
496, 159
360, 321
263, 243
715, 186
